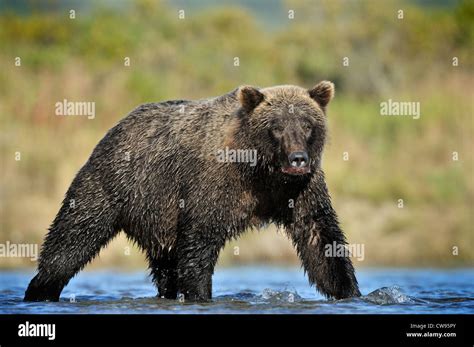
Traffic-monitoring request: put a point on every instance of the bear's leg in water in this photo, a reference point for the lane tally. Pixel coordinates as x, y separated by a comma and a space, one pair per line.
85, 223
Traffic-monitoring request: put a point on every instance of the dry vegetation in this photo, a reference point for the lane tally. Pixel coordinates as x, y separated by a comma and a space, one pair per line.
389, 158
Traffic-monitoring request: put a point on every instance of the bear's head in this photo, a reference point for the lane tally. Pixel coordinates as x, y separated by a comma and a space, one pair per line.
286, 125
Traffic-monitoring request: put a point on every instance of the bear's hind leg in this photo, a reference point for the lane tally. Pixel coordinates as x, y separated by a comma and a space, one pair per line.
85, 223
196, 261
164, 272
62, 258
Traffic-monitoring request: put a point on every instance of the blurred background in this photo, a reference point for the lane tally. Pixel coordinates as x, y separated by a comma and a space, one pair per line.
424, 57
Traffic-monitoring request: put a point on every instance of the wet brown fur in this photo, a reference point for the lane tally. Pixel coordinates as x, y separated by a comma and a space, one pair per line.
155, 176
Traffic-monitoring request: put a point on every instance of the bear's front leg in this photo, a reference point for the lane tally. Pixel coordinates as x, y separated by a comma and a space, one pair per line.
197, 257
314, 226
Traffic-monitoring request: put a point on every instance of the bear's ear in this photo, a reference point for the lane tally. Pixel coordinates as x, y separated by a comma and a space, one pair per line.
250, 97
322, 93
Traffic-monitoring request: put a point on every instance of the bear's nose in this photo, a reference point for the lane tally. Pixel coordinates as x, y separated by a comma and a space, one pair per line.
298, 159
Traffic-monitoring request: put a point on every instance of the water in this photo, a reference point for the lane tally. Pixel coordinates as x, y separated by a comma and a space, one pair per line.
253, 290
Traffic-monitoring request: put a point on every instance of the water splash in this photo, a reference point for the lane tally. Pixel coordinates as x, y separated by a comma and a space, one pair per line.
388, 296
275, 296
283, 296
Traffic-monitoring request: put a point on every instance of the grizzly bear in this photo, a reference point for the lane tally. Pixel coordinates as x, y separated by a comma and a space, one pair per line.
160, 176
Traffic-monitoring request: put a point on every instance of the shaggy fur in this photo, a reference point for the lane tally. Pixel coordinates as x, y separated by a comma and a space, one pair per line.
155, 176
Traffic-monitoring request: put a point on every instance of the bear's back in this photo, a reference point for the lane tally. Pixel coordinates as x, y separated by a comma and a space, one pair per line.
153, 132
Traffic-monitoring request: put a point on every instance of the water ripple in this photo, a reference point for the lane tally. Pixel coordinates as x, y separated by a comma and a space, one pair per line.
253, 290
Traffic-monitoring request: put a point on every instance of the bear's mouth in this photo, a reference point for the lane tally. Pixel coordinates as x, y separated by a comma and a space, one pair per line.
296, 171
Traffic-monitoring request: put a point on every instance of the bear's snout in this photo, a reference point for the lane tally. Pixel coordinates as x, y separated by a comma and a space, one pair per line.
298, 163
298, 159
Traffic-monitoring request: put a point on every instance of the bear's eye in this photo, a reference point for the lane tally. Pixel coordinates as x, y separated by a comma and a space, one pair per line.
307, 127
277, 130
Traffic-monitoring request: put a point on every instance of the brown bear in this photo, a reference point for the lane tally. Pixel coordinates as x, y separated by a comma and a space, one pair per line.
181, 178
